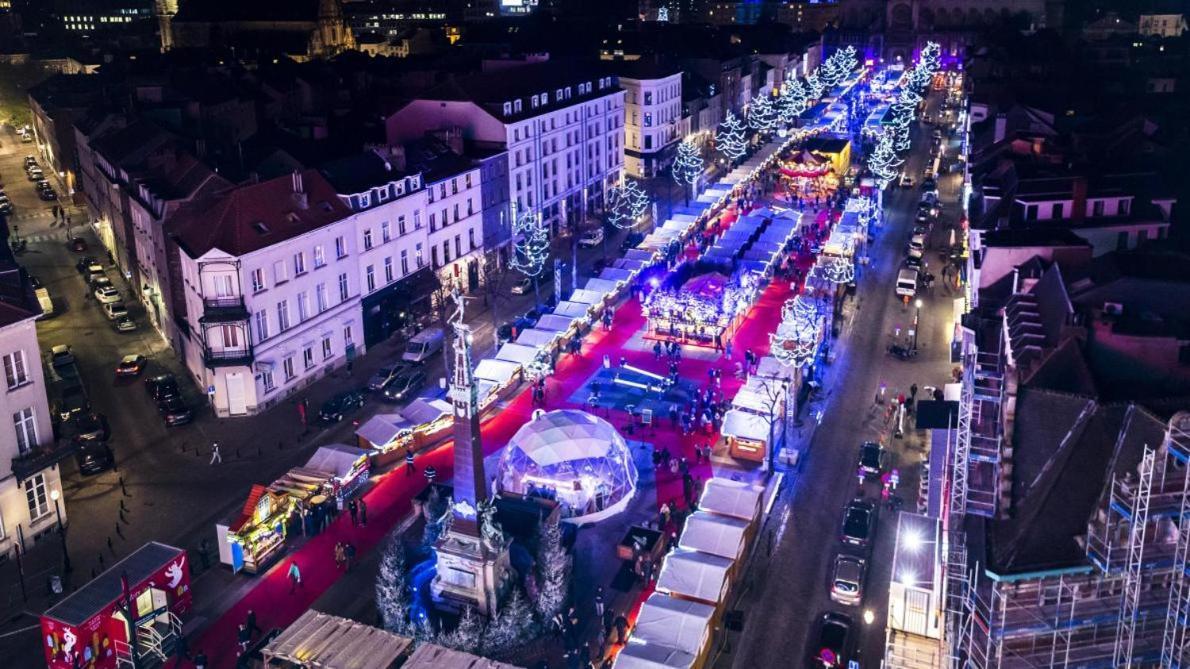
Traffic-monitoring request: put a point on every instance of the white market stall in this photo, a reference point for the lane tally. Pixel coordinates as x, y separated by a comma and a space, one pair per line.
761, 396
674, 623
433, 656
500, 372
748, 434
602, 287
617, 274
652, 656
330, 642
573, 309
538, 338
518, 353
708, 533
558, 323
697, 576
345, 466
771, 368
733, 499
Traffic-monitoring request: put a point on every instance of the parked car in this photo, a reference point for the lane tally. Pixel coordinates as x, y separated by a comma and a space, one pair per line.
84, 263
124, 324
114, 310
47, 194
30, 162
174, 411
334, 409
61, 355
73, 402
830, 650
131, 365
591, 238
847, 583
91, 427
906, 180
512, 329
5, 204
34, 173
405, 385
382, 377
96, 279
423, 345
78, 244
873, 459
94, 458
522, 286
930, 186
858, 519
917, 243
107, 294
162, 387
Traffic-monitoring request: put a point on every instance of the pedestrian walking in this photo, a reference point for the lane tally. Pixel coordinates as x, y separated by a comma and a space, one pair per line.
363, 512
295, 576
244, 638
204, 553
409, 468
430, 473
621, 625
250, 622
599, 601
340, 555
727, 349
349, 549
216, 456
353, 509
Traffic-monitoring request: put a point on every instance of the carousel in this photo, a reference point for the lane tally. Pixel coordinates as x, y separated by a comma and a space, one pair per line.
699, 308
808, 175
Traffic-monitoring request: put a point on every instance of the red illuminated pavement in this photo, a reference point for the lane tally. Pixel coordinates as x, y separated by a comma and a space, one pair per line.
389, 499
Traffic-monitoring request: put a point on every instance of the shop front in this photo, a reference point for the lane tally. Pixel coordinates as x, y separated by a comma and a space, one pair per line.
404, 304
132, 610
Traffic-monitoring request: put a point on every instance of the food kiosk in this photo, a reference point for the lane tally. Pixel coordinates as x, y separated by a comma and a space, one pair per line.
252, 541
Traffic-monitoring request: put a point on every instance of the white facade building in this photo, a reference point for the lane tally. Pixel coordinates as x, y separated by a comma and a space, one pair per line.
455, 213
562, 126
1162, 25
270, 274
652, 116
28, 487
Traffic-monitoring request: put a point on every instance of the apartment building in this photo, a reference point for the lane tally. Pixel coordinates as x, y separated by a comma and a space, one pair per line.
652, 115
29, 479
454, 211
271, 286
561, 124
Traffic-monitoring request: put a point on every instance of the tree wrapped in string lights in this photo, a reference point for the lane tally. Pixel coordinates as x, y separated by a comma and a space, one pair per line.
796, 339
730, 139
625, 204
687, 166
638, 199
793, 101
762, 117
884, 161
838, 270
815, 85
531, 244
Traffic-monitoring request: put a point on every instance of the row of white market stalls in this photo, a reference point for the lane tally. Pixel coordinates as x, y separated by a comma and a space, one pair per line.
677, 622
755, 423
322, 641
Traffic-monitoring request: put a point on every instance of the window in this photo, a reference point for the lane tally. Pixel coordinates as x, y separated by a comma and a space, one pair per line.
404, 262
445, 218
26, 429
1058, 210
456, 212
1097, 208
370, 278
287, 367
230, 336
442, 190
303, 302
319, 257
367, 239
299, 263
401, 225
434, 257
340, 247
35, 494
282, 316
458, 245
433, 223
320, 297
454, 186
279, 275
257, 280
308, 357
467, 179
417, 220
266, 380
262, 325
421, 260
445, 251
343, 287
471, 238
347, 337
1125, 206
327, 350
388, 269
14, 369
385, 231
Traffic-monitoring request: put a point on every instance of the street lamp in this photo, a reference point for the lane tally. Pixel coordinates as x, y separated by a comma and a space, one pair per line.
869, 616
54, 495
916, 321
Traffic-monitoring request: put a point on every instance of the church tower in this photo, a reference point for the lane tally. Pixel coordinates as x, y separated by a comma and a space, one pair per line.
165, 11
332, 36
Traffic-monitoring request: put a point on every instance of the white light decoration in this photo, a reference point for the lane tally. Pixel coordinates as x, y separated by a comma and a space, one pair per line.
839, 270
663, 15
761, 115
815, 85
794, 100
638, 199
531, 245
796, 339
730, 140
620, 206
688, 164
884, 161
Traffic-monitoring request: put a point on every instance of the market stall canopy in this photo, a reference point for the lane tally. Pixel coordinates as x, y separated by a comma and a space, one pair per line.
674, 623
337, 460
557, 322
680, 227
601, 286
584, 296
709, 286
771, 368
99, 593
745, 425
421, 411
330, 642
735, 499
537, 338
565, 435
718, 535
248, 511
432, 656
518, 353
573, 309
652, 656
381, 429
633, 266
616, 274
694, 575
497, 371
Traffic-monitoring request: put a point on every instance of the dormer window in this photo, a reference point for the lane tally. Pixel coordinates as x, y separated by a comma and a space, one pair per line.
568, 92
399, 187
507, 108
382, 194
558, 94
534, 101
516, 106
415, 182
260, 228
545, 98
365, 200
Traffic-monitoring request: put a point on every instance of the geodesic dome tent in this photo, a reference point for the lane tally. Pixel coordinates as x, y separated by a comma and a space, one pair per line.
571, 456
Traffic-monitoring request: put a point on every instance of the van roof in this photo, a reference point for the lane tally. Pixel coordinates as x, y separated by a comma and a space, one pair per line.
907, 273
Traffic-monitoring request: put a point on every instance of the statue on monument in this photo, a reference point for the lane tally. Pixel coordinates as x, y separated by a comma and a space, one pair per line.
490, 530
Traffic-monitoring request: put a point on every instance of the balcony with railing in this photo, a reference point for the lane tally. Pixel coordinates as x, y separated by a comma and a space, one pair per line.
231, 357
224, 309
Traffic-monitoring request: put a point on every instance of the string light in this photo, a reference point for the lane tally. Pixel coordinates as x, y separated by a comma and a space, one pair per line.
531, 247
688, 164
729, 140
761, 115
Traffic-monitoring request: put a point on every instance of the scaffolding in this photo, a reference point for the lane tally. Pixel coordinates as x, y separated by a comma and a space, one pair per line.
1176, 639
1129, 605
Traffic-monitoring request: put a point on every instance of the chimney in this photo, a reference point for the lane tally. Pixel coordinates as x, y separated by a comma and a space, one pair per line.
1079, 214
300, 199
1001, 128
1016, 280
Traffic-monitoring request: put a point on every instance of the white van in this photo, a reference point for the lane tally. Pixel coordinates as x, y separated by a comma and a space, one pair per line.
423, 345
43, 299
907, 283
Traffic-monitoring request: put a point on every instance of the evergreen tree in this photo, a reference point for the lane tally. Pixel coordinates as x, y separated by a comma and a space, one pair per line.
618, 207
512, 626
531, 244
638, 199
553, 571
392, 589
467, 636
730, 139
687, 166
762, 117
793, 100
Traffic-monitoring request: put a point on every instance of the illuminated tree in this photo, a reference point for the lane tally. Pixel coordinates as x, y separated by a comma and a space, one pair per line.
730, 139
884, 162
687, 166
762, 117
531, 244
793, 101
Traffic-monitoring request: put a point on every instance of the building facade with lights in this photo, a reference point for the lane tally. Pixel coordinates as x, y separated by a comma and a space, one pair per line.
562, 126
652, 116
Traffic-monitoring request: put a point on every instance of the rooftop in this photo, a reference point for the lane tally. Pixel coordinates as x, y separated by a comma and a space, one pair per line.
491, 89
